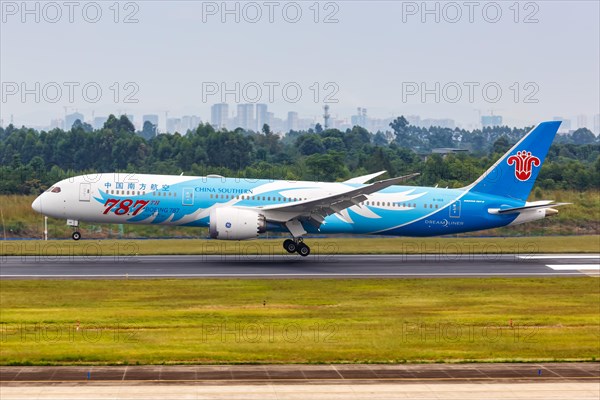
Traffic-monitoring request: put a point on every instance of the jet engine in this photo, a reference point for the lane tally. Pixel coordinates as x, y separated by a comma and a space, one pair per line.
232, 223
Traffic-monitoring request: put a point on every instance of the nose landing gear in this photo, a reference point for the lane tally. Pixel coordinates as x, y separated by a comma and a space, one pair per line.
75, 225
296, 246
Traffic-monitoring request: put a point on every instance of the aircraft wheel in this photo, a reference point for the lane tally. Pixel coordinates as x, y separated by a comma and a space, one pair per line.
76, 235
289, 245
303, 249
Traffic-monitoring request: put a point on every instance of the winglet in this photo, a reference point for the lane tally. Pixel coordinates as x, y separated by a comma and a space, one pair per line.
365, 178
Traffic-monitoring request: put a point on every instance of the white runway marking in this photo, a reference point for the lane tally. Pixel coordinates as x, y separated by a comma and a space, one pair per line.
560, 256
574, 267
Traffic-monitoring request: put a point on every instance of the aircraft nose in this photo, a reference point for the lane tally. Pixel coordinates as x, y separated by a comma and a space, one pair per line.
37, 204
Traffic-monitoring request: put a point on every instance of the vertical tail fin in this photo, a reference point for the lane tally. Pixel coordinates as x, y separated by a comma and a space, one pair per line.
514, 174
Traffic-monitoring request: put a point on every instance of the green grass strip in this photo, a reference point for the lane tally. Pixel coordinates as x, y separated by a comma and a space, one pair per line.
299, 321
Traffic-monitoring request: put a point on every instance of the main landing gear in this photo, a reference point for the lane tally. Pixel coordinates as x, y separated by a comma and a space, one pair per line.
297, 246
76, 235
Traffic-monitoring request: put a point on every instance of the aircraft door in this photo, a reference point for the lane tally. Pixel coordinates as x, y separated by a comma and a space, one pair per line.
188, 197
455, 209
85, 191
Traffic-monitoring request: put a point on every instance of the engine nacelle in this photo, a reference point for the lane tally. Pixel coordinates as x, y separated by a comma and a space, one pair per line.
232, 223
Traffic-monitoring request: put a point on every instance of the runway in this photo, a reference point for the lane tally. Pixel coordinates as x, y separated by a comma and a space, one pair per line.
303, 374
294, 266
310, 382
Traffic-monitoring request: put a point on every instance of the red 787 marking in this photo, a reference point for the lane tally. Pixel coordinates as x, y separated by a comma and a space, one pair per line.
124, 206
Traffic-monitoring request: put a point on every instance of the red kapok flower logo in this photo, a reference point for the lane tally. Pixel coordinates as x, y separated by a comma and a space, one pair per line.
523, 161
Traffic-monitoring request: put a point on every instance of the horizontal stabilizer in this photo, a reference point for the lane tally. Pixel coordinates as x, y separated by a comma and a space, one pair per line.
536, 205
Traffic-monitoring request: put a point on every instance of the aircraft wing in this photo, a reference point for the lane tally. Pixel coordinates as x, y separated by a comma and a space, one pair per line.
315, 210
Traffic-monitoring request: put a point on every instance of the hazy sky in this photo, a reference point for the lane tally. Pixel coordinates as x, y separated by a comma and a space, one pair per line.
377, 54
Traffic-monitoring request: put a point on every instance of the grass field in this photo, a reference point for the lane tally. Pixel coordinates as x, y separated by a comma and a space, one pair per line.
299, 321
329, 246
19, 220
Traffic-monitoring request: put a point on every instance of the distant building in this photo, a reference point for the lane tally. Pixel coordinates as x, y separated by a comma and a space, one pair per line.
189, 122
443, 151
292, 121
442, 123
360, 118
173, 125
277, 125
219, 113
71, 118
245, 116
195, 121
489, 121
417, 121
597, 124
56, 123
98, 122
152, 118
565, 127
581, 121
448, 150
262, 116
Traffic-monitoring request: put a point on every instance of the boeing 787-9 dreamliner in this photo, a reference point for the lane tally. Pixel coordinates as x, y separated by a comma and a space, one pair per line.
239, 209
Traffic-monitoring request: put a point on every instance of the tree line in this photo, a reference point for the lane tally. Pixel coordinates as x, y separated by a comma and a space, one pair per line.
32, 160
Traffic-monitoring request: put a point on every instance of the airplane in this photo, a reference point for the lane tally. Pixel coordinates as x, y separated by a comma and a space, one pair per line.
241, 209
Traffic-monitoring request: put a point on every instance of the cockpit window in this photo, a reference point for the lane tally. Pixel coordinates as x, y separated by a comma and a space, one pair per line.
55, 189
